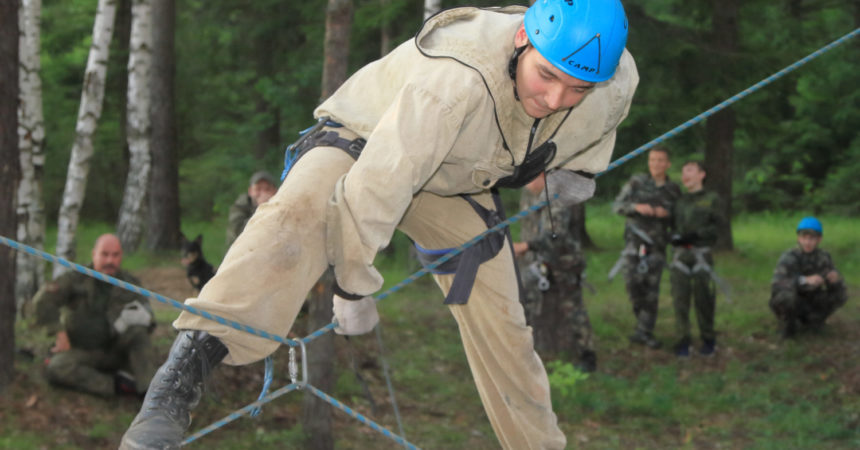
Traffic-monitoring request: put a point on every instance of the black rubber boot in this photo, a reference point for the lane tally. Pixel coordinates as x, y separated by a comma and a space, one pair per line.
175, 390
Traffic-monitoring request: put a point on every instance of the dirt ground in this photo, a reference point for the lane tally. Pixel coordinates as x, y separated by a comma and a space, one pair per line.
71, 420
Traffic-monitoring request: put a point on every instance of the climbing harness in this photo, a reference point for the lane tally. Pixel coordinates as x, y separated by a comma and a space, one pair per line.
645, 256
464, 265
700, 266
314, 137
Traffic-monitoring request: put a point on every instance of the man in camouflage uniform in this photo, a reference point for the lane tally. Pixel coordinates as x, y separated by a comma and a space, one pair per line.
806, 287
696, 221
101, 330
646, 200
260, 189
551, 266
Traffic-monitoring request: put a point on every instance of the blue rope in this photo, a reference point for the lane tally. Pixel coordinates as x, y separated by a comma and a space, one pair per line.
361, 418
725, 103
146, 293
240, 412
267, 381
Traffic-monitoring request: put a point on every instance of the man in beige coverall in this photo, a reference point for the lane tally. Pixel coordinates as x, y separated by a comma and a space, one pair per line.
481, 98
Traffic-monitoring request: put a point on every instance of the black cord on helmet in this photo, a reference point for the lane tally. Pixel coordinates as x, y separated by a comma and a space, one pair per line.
512, 67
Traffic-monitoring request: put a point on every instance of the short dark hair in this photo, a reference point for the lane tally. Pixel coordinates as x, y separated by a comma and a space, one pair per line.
697, 162
662, 149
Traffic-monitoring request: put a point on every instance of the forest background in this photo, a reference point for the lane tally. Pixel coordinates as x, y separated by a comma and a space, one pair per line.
247, 78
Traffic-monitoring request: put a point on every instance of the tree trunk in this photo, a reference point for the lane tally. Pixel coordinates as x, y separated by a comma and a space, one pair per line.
9, 174
316, 414
338, 24
31, 137
163, 228
720, 128
431, 7
88, 116
384, 31
316, 417
578, 224
131, 213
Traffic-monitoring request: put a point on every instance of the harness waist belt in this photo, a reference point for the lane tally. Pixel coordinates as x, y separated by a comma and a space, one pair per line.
464, 265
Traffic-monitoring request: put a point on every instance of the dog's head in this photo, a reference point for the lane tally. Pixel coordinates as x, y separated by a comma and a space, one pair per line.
191, 250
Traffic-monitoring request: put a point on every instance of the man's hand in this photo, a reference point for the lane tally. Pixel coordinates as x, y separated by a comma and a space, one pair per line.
520, 248
61, 343
644, 209
355, 317
814, 280
833, 277
661, 212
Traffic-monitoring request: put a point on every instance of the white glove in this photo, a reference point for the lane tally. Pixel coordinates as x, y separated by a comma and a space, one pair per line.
571, 187
132, 314
355, 316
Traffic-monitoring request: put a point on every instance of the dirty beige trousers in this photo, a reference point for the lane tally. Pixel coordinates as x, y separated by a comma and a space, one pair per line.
269, 270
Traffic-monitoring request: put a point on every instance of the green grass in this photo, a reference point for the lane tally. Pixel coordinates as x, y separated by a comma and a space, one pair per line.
757, 393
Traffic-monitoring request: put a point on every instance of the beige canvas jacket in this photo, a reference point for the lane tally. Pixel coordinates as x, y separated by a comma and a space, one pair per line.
439, 114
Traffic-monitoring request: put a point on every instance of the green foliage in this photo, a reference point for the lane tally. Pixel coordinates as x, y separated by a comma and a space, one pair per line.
563, 379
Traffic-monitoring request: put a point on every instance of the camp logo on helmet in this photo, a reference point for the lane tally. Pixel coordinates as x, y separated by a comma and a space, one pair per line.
583, 67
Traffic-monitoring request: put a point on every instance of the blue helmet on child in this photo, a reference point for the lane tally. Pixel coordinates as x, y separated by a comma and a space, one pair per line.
810, 224
582, 38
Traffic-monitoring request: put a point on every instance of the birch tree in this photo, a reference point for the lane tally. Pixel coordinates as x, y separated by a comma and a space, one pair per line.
90, 111
31, 137
9, 173
130, 227
431, 7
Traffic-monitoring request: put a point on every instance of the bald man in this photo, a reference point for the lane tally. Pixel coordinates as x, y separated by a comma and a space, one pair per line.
101, 331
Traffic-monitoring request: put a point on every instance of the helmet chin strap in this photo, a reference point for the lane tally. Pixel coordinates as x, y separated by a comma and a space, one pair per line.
512, 67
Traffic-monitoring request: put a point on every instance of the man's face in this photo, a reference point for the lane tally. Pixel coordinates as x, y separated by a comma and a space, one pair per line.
692, 177
544, 89
107, 255
808, 241
261, 192
658, 163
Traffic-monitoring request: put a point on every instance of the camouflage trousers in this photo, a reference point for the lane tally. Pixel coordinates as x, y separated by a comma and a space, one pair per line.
807, 307
643, 287
558, 316
701, 289
92, 371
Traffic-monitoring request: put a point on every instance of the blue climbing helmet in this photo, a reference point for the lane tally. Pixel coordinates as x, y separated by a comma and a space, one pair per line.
582, 38
810, 224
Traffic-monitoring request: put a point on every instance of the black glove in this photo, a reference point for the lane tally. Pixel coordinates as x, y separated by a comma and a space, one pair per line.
683, 239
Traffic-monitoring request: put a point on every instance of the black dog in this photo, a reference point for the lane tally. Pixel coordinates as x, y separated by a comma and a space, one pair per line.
198, 270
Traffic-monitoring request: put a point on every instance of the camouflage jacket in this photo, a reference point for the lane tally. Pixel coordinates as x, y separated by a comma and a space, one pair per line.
562, 254
84, 307
794, 263
642, 189
697, 215
240, 212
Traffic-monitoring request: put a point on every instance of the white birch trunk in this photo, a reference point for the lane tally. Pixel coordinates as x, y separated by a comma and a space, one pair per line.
131, 213
431, 7
89, 112
30, 270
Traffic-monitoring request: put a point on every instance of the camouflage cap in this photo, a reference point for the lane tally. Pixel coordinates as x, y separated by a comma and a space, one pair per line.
262, 176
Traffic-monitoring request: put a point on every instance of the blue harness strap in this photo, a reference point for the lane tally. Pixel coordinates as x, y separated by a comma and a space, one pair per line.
465, 265
314, 137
